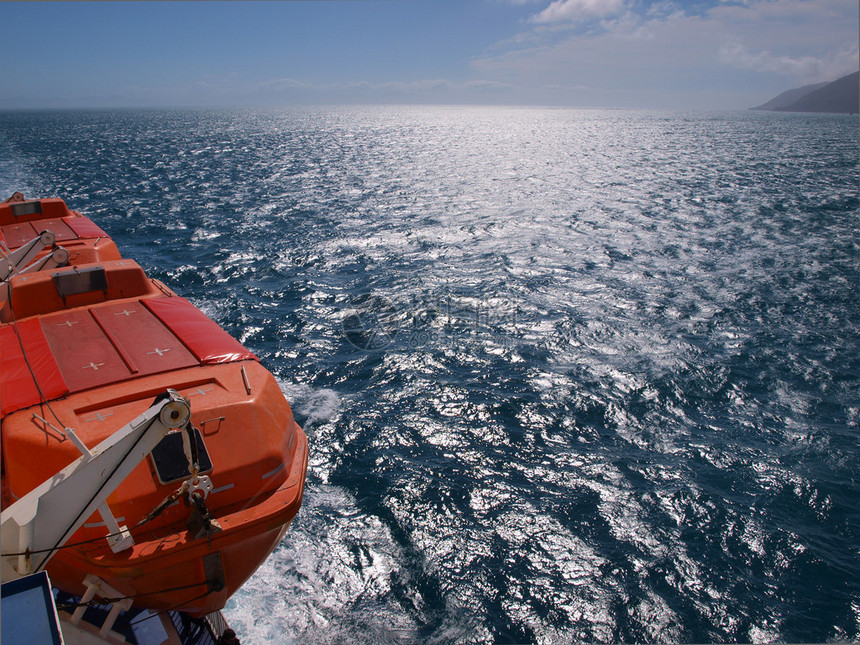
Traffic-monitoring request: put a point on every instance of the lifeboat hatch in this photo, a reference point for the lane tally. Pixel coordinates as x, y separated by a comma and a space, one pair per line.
171, 463
71, 283
26, 208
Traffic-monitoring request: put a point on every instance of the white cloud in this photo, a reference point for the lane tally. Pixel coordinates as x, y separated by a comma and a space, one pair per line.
664, 8
427, 85
282, 85
574, 10
834, 63
731, 52
806, 40
487, 86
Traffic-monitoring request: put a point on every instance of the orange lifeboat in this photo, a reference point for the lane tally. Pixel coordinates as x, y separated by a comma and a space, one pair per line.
21, 222
89, 346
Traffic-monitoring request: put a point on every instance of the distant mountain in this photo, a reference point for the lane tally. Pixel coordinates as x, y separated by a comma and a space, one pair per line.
842, 95
788, 97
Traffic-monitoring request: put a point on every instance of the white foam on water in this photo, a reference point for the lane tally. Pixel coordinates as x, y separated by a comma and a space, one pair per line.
330, 580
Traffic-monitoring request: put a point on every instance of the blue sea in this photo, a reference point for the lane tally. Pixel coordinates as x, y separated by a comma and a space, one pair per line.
567, 375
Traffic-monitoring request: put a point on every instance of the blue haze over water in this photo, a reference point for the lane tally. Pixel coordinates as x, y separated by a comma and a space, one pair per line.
566, 375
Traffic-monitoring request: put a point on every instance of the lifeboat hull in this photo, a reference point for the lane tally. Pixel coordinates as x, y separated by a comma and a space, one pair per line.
89, 346
183, 573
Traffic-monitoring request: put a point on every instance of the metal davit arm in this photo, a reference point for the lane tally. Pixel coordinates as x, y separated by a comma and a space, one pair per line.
39, 523
18, 261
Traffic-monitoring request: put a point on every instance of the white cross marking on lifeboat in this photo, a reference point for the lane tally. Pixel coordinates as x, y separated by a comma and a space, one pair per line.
125, 312
160, 352
67, 323
95, 366
201, 391
98, 417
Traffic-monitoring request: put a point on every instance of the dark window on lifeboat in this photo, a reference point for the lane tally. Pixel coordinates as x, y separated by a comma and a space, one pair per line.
26, 208
72, 283
171, 464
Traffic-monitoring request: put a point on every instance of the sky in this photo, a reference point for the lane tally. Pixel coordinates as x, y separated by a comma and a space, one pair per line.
650, 54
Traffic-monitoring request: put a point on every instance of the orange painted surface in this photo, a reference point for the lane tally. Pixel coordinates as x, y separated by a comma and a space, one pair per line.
99, 350
83, 238
51, 207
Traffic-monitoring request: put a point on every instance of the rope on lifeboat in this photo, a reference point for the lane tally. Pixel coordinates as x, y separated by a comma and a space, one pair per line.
197, 501
44, 399
59, 543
